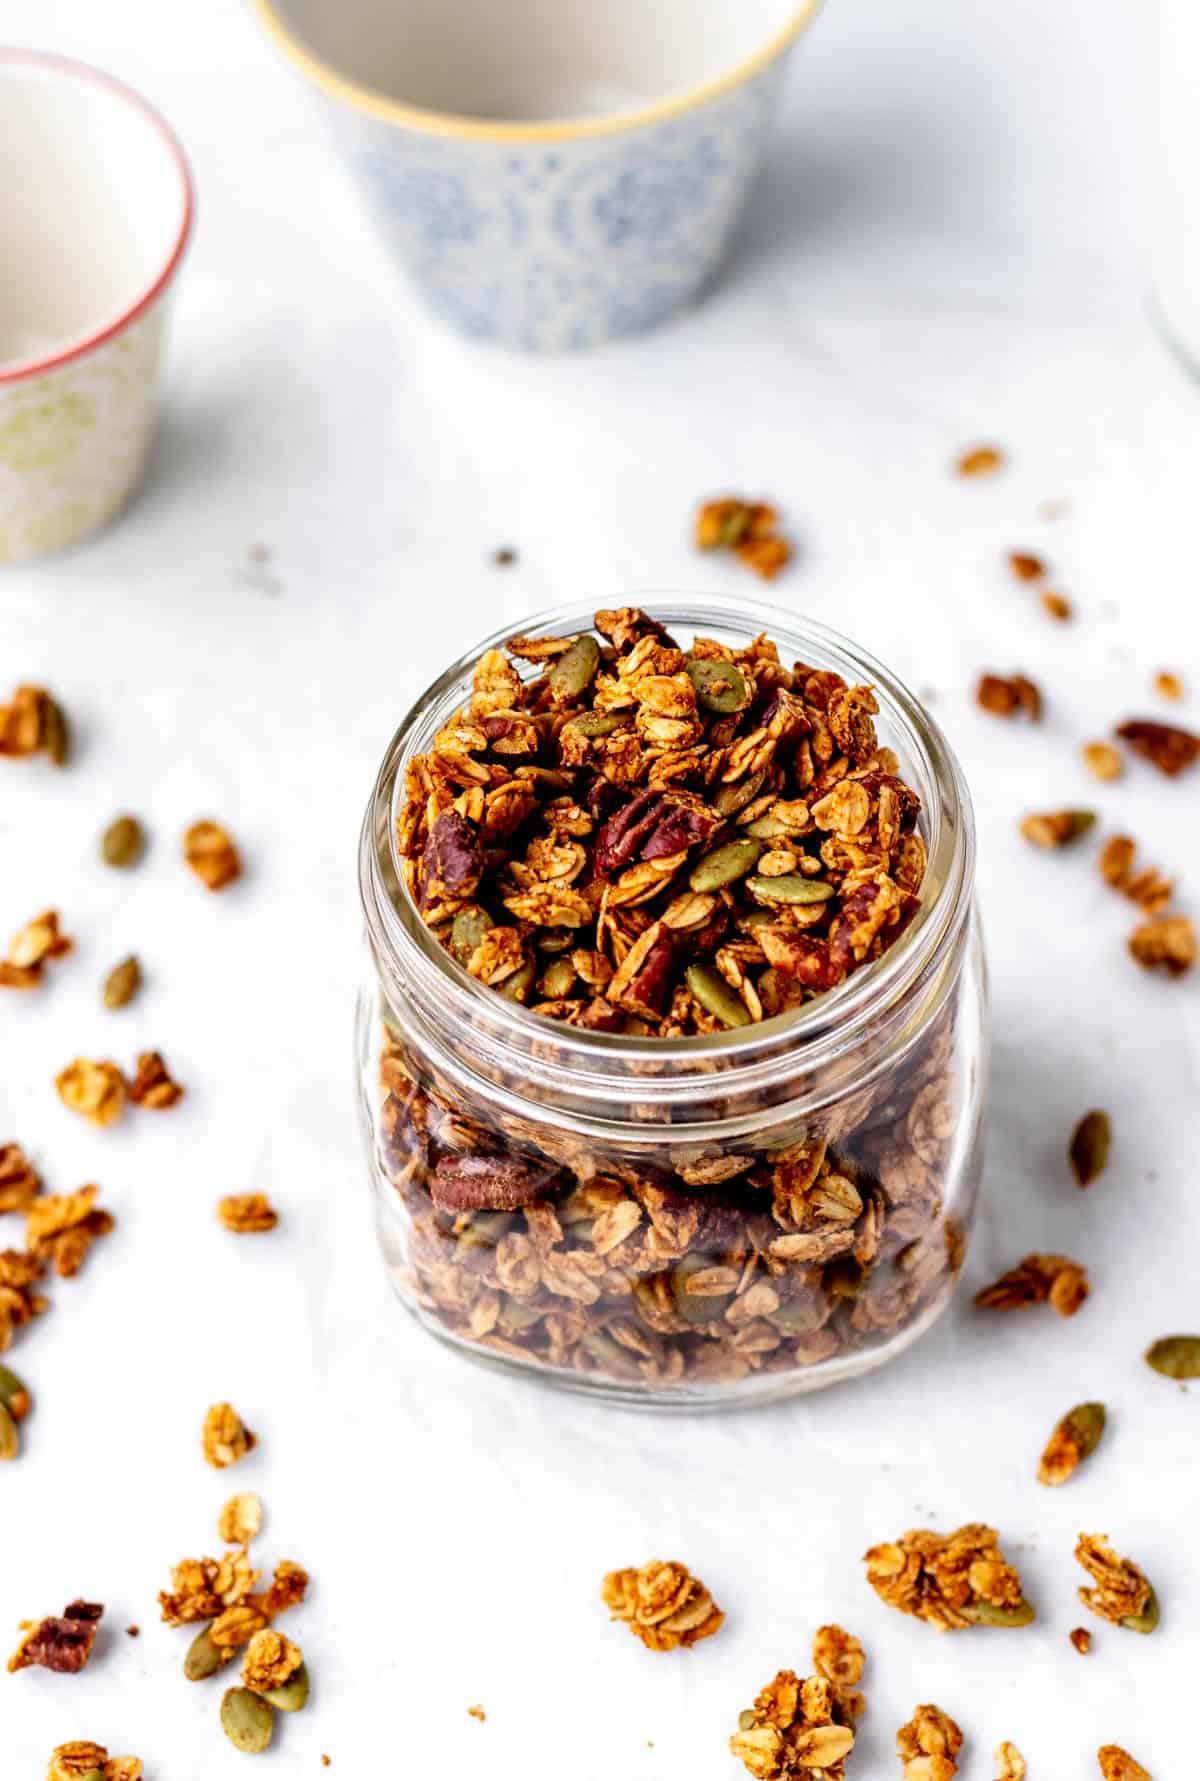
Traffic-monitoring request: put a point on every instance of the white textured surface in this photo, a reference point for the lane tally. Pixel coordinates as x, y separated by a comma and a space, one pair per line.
945, 248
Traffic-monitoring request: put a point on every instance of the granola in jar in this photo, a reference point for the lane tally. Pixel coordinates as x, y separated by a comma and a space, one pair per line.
620, 879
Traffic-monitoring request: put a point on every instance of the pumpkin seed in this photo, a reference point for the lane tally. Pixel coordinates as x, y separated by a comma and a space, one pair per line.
123, 842
470, 925
610, 1355
714, 994
575, 669
724, 865
732, 798
800, 1317
556, 939
1175, 1357
204, 1658
247, 1720
1147, 1620
518, 986
10, 1440
518, 1314
1076, 1436
720, 686
558, 979
14, 1395
595, 723
767, 828
789, 887
981, 1613
1090, 1143
291, 1695
1086, 1423
694, 1306
122, 983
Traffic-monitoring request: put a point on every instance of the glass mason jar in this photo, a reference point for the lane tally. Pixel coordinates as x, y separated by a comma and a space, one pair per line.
711, 1220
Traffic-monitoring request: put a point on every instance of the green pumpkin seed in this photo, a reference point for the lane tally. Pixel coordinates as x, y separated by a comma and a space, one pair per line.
767, 828
1175, 1357
291, 1695
518, 1315
724, 865
14, 1394
595, 723
558, 980
10, 1440
799, 1317
517, 987
122, 983
695, 1307
574, 670
1076, 1436
714, 994
470, 925
720, 686
1086, 1423
1090, 1144
554, 940
732, 798
789, 887
610, 1356
981, 1613
247, 1720
747, 1720
123, 842
203, 1658
1147, 1620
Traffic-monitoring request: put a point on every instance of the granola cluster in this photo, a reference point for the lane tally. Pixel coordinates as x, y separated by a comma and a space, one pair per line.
30, 950
795, 1728
950, 1580
747, 528
247, 1213
1038, 1280
838, 1656
81, 1760
1120, 1592
225, 1437
33, 723
97, 1090
662, 1604
928, 1745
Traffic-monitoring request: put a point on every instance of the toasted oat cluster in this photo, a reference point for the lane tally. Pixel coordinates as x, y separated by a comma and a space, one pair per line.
1009, 695
951, 1580
33, 723
747, 528
62, 1642
96, 1089
1165, 943
81, 1760
1038, 1280
1120, 1592
243, 1213
838, 1657
1010, 1764
225, 1438
794, 1729
269, 1661
212, 854
61, 1228
30, 950
20, 1182
662, 1604
928, 1745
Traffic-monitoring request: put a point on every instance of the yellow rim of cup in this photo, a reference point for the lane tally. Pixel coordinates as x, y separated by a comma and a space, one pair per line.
471, 129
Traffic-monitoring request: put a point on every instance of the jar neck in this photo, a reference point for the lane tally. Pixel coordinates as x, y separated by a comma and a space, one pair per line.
473, 1036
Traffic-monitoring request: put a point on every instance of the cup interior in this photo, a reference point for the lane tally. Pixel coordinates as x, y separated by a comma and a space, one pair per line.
94, 206
535, 60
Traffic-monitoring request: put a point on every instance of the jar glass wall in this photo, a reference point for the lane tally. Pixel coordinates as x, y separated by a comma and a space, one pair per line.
725, 1218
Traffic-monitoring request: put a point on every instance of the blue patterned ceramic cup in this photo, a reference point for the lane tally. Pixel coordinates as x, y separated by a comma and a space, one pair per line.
550, 173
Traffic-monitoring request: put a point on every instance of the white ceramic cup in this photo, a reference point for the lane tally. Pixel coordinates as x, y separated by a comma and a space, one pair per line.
95, 211
549, 173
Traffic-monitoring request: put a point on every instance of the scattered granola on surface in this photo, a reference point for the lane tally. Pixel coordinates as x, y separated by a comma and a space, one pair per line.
243, 1213
1038, 1280
19, 1180
62, 1642
81, 1760
1175, 1357
1075, 1438
241, 1519
19, 1302
1081, 1639
1056, 606
1010, 1764
30, 949
929, 1745
1146, 887
152, 1085
94, 1088
838, 1657
1102, 760
979, 460
747, 528
226, 1438
122, 983
794, 1729
1169, 685
1008, 695
950, 1580
1121, 1592
1117, 1765
1165, 746
123, 842
1056, 828
33, 723
210, 852
1025, 566
1090, 1144
662, 1604
61, 1228
477, 1713
1165, 942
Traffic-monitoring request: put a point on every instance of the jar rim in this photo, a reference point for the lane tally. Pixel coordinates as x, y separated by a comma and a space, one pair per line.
816, 1033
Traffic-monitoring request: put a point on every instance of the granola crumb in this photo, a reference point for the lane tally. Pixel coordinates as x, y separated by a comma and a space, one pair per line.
326, 1761
1117, 1765
153, 1086
1102, 760
34, 723
504, 557
93, 1088
226, 1439
662, 1604
794, 1728
62, 1642
212, 855
950, 1580
1169, 685
1166, 746
1007, 695
748, 529
1056, 606
242, 1213
929, 1744
1025, 566
1121, 1592
30, 949
61, 1228
477, 1713
1038, 1280
241, 1519
1010, 1764
269, 1661
1081, 1639
1056, 828
1166, 942
133, 1632
979, 460
1146, 887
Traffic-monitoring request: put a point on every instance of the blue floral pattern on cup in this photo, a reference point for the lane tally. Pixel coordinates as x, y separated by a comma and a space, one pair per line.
563, 244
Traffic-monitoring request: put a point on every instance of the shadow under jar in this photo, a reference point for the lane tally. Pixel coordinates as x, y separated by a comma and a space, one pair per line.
723, 1218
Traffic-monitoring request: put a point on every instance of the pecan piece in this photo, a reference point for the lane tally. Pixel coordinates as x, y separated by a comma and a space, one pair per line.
489, 1183
63, 1642
1165, 746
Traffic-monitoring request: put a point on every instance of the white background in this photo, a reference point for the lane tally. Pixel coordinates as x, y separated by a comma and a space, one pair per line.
945, 247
